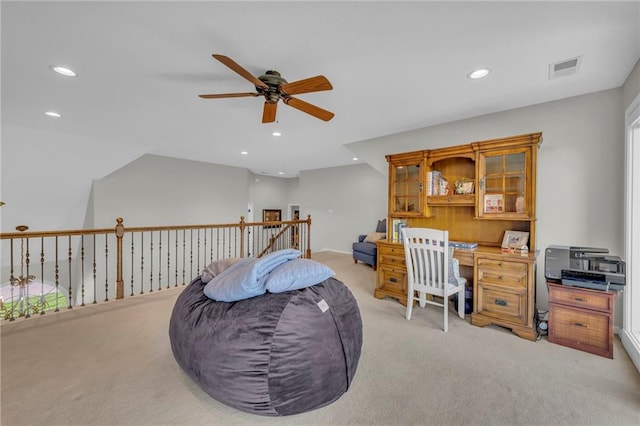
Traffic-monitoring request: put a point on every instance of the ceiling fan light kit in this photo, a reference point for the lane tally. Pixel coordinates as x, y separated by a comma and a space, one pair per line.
273, 87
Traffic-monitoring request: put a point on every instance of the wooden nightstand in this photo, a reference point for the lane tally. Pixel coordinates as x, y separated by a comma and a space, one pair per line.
581, 318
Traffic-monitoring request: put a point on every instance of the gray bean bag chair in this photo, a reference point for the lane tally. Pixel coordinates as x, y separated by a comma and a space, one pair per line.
276, 354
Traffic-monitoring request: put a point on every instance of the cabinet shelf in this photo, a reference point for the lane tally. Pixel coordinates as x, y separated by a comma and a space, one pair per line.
452, 200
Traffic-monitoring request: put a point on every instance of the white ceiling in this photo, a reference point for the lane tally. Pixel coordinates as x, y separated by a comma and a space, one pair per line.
394, 66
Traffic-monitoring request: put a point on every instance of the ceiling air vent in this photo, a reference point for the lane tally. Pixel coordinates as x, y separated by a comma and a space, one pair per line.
565, 68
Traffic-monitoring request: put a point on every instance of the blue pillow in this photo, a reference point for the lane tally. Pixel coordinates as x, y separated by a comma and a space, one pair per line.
296, 274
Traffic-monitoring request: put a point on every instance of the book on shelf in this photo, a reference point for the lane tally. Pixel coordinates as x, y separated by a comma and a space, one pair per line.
434, 181
396, 230
461, 245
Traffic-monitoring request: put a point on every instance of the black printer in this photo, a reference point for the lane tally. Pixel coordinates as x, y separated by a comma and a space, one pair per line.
586, 267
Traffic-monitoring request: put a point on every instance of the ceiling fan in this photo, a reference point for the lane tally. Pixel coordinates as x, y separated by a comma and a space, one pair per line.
274, 87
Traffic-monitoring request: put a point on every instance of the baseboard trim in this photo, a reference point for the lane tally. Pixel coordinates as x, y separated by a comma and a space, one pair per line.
631, 344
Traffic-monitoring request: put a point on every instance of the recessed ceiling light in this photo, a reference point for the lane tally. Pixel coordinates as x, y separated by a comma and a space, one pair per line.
355, 158
64, 71
244, 153
276, 133
53, 114
280, 173
480, 73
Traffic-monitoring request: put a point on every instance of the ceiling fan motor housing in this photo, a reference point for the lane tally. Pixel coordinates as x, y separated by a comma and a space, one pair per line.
273, 79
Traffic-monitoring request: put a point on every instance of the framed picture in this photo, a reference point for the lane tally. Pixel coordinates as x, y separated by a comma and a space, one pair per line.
515, 240
463, 186
271, 215
493, 203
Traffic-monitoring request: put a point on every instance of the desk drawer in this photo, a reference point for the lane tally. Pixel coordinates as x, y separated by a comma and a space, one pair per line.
392, 280
503, 277
465, 257
579, 298
391, 249
505, 304
586, 330
392, 261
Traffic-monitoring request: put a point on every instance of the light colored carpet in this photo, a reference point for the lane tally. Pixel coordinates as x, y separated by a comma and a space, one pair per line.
111, 364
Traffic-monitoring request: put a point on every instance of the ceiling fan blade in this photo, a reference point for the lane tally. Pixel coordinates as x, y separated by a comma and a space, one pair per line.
229, 95
303, 106
238, 69
269, 112
313, 84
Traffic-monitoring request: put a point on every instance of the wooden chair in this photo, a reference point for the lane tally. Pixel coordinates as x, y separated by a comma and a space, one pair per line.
427, 257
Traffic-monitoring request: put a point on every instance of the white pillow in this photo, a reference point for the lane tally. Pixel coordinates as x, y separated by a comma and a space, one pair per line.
296, 274
216, 267
372, 237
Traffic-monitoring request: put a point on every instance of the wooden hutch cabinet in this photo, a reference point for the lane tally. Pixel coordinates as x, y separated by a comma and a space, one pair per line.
499, 177
406, 185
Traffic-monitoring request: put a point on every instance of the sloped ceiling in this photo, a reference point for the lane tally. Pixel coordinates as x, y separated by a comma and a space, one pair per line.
394, 66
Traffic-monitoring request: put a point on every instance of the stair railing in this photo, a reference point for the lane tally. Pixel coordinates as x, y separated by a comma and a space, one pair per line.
78, 267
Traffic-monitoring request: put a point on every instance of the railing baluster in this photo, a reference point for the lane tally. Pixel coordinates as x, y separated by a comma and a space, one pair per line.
159, 260
168, 257
184, 251
176, 268
13, 304
95, 275
132, 253
82, 269
57, 275
70, 258
141, 262
191, 252
106, 271
151, 265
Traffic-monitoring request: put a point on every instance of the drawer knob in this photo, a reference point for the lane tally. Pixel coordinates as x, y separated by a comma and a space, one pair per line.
501, 302
393, 280
578, 299
579, 324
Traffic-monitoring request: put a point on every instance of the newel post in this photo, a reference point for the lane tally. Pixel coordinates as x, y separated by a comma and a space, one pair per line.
119, 279
308, 254
242, 226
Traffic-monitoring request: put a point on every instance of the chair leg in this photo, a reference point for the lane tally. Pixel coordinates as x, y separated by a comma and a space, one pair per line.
409, 304
422, 299
461, 304
446, 313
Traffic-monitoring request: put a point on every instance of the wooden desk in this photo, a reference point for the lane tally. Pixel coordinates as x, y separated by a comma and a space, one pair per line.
503, 285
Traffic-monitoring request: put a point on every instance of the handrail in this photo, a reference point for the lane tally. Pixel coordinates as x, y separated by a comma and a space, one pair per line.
74, 255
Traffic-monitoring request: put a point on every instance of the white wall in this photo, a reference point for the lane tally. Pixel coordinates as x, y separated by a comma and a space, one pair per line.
270, 192
343, 202
156, 191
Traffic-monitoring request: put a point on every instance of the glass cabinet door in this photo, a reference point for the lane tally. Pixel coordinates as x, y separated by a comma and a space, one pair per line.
406, 189
504, 179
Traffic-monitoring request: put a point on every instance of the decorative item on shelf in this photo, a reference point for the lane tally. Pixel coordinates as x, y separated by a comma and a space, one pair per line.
520, 204
493, 203
515, 242
443, 187
464, 186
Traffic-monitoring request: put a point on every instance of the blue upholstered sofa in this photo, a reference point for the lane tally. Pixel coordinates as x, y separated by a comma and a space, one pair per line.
365, 249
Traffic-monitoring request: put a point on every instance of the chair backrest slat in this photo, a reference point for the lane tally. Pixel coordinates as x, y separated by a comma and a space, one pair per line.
426, 257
